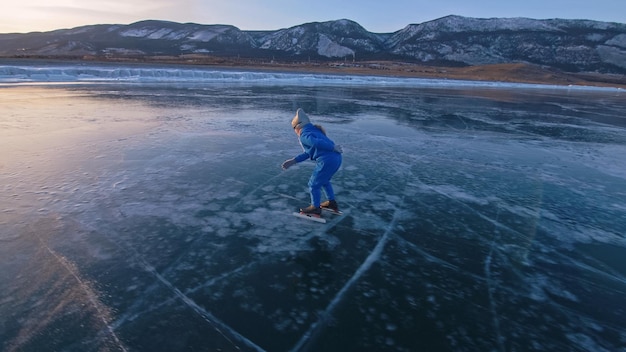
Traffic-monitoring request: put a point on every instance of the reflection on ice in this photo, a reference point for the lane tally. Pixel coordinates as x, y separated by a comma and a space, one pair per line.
144, 217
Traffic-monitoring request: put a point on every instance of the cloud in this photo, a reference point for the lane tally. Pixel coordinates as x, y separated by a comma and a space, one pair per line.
41, 15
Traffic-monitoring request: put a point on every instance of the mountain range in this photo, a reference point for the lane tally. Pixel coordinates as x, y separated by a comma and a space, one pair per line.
567, 45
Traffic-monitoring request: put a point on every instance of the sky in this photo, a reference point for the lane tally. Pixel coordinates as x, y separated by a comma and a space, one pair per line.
379, 16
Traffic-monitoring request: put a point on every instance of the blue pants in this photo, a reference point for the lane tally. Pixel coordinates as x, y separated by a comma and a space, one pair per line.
326, 167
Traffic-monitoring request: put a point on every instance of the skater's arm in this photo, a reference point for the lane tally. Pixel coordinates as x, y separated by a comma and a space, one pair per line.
302, 157
291, 162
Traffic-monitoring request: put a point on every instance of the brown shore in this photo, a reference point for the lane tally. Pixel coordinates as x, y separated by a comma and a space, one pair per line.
510, 73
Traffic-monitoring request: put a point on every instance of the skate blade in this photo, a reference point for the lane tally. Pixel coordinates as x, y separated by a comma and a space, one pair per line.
332, 211
316, 218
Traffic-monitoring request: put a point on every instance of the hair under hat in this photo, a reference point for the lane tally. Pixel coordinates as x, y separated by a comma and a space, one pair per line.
300, 119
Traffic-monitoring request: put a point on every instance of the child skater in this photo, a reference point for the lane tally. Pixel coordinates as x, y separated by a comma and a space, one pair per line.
327, 156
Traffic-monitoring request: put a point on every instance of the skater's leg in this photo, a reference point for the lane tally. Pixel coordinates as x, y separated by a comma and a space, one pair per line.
330, 168
315, 188
323, 172
328, 189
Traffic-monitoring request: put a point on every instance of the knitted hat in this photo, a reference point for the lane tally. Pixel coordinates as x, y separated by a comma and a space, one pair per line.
300, 119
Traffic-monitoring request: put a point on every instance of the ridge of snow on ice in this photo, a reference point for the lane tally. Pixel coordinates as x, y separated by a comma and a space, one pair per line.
72, 73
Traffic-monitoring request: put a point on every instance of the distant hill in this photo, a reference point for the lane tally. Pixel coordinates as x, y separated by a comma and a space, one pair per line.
453, 41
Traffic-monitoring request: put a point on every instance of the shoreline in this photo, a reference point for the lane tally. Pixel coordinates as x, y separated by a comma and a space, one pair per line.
497, 73
501, 73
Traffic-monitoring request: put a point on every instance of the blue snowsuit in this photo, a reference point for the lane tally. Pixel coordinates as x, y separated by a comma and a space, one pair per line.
321, 149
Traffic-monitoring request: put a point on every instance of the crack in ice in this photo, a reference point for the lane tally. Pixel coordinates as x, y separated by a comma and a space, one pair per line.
491, 284
315, 328
217, 324
91, 295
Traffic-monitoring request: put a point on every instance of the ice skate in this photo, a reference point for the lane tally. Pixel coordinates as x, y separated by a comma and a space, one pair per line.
311, 210
331, 206
311, 213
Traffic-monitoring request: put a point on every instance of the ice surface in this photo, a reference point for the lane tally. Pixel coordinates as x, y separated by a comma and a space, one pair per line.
155, 216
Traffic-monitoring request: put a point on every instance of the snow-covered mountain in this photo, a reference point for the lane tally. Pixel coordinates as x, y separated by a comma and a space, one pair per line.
335, 39
570, 45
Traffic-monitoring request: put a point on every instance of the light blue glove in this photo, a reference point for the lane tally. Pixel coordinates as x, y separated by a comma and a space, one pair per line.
338, 148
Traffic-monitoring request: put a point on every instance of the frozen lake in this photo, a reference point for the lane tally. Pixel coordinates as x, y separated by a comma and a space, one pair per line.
146, 210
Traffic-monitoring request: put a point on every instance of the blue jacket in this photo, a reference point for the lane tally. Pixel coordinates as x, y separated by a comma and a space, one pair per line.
315, 144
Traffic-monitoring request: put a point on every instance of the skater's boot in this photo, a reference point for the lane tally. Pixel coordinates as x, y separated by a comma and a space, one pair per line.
330, 204
311, 210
